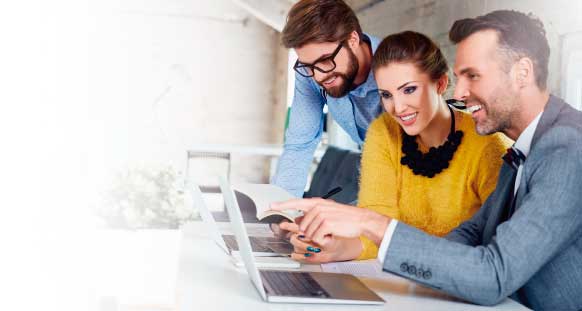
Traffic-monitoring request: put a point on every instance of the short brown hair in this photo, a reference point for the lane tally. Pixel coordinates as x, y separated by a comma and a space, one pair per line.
318, 21
411, 47
519, 35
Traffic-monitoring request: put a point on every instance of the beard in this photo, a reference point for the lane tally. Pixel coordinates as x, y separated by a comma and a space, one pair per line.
499, 111
346, 80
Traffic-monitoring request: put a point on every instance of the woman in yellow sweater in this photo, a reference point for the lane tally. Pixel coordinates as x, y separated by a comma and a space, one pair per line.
422, 162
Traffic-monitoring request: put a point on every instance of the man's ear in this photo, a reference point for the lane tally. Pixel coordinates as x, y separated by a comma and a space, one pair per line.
354, 39
524, 69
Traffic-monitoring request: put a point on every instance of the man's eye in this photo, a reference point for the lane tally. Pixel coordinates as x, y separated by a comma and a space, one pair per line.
409, 89
473, 76
385, 95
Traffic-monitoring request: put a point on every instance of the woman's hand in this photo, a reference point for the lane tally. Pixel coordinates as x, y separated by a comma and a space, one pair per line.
325, 219
337, 249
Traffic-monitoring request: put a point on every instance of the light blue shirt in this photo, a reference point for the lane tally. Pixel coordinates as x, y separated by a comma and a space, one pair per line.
353, 112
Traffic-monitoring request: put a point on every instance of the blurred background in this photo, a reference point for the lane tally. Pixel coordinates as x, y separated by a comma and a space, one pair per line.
196, 89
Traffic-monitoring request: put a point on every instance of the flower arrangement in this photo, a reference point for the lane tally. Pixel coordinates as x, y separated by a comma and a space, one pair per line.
146, 198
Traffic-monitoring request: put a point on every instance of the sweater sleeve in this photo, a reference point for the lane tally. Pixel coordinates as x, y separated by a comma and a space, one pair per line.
377, 178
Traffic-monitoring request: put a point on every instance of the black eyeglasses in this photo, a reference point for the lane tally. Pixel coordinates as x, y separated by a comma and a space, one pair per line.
323, 65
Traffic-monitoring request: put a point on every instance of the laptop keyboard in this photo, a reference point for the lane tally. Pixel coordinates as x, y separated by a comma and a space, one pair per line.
256, 244
296, 284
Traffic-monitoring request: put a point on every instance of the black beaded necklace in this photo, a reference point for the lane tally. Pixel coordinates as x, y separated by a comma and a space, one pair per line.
436, 159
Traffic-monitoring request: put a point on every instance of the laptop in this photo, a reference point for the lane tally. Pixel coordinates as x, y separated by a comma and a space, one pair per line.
261, 246
291, 286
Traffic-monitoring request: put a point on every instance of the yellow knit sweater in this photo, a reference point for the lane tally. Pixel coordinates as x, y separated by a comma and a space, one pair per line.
435, 205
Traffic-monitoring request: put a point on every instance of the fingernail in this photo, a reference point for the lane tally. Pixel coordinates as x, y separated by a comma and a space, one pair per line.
313, 249
307, 255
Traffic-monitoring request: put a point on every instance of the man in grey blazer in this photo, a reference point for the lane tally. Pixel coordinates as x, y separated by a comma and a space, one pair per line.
526, 240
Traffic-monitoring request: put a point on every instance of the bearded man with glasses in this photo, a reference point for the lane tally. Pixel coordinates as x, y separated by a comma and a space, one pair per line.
333, 69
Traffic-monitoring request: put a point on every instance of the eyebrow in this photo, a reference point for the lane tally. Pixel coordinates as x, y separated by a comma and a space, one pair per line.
317, 60
464, 71
405, 84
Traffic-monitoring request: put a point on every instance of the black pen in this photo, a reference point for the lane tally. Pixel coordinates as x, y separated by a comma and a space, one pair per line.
332, 192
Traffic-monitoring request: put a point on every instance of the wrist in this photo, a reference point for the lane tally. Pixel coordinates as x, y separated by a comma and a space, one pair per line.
374, 226
348, 249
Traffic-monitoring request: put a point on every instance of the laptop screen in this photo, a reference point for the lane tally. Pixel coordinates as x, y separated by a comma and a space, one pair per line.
207, 217
241, 235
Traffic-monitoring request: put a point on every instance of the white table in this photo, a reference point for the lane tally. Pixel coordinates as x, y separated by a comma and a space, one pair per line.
207, 280
226, 151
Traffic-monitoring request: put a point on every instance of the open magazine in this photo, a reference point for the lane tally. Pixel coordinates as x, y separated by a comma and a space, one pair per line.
262, 195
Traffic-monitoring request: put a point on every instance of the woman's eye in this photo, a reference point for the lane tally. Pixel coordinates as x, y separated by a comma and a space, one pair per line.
385, 95
409, 89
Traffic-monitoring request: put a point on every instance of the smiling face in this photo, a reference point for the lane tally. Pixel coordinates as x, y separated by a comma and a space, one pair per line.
484, 83
409, 95
339, 81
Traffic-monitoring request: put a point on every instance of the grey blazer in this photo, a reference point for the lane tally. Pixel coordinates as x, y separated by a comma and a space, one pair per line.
536, 256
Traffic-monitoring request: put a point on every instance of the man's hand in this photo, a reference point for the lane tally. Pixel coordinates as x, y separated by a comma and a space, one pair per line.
325, 219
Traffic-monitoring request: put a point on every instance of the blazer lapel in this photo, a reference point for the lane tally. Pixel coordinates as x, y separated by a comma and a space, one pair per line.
500, 202
549, 116
521, 192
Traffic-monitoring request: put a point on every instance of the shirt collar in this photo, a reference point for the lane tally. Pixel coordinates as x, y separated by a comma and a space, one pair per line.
370, 84
523, 142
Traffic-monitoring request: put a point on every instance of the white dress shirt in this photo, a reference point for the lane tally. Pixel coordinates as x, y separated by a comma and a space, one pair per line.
523, 143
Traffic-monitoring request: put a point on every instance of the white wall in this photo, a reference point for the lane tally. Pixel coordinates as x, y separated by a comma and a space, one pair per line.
571, 79
165, 75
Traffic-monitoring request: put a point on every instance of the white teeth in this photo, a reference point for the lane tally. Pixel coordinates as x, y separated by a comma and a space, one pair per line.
408, 117
474, 108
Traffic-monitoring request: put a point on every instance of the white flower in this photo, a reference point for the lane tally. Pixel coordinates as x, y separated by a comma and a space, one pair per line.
139, 196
